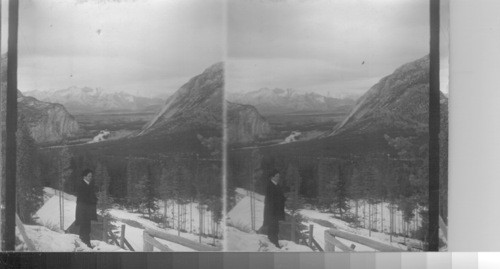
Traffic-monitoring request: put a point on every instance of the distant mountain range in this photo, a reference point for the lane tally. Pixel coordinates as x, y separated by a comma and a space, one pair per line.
90, 100
275, 101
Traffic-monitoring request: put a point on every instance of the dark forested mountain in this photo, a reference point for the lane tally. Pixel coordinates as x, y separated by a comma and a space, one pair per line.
91, 100
275, 101
397, 101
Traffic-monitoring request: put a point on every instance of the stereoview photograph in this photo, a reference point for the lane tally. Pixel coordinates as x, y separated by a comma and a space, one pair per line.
119, 138
333, 151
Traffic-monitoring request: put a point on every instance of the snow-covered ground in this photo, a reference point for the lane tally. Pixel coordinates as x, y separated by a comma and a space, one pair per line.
52, 238
49, 214
191, 215
137, 218
239, 218
241, 237
380, 214
47, 240
238, 240
102, 136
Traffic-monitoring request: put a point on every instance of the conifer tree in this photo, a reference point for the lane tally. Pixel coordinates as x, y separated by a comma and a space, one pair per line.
150, 194
326, 184
340, 196
29, 190
105, 201
294, 201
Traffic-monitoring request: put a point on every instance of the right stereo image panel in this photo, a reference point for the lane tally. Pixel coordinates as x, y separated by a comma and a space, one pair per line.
328, 111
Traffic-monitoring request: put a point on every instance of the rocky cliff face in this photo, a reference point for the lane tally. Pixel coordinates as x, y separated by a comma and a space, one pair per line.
397, 101
245, 124
47, 122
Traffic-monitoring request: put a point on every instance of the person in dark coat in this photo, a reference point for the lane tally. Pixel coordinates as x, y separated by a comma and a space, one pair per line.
86, 205
274, 208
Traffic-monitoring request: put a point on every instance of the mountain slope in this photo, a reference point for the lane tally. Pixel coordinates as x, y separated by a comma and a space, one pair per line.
397, 101
196, 105
86, 99
276, 101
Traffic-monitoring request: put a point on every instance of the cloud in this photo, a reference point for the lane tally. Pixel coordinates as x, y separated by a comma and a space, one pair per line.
111, 43
343, 34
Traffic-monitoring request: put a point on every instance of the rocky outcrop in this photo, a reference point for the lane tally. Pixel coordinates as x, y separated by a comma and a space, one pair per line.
398, 101
196, 105
245, 124
47, 122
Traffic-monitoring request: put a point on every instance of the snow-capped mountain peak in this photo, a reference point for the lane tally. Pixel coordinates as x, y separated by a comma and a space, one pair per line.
89, 99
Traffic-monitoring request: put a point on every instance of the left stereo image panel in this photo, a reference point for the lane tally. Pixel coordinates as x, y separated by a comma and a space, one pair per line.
119, 125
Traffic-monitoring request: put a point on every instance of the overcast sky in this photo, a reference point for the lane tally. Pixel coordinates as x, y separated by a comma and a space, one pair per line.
150, 47
320, 45
145, 47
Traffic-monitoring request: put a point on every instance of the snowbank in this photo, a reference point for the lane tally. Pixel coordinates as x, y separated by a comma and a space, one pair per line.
141, 223
50, 241
239, 216
49, 214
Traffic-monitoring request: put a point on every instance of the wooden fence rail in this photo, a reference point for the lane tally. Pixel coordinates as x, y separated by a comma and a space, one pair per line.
331, 242
150, 234
150, 243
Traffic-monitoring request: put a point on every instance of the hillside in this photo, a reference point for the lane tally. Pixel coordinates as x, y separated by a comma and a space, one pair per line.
195, 105
397, 101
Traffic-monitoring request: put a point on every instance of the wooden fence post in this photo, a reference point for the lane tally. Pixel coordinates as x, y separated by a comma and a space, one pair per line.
329, 246
104, 230
122, 236
311, 229
146, 245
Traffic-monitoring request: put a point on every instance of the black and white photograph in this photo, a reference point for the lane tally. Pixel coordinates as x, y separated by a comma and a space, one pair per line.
328, 126
223, 125
119, 130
